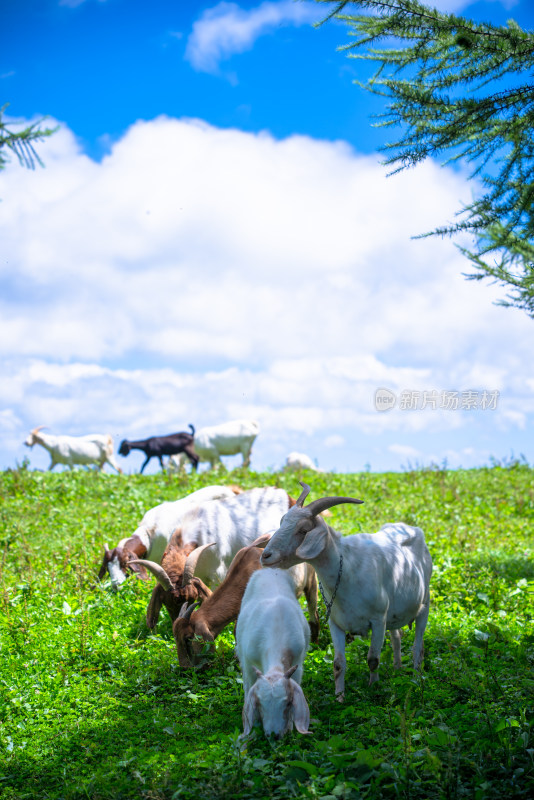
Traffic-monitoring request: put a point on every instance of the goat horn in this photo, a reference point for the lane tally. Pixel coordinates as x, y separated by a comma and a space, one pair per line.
316, 506
157, 571
192, 561
186, 610
303, 495
290, 671
262, 540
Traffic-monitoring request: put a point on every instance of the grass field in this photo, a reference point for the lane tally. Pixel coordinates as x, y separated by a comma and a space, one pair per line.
92, 705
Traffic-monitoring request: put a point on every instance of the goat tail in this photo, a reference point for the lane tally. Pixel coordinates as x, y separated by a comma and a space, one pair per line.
192, 429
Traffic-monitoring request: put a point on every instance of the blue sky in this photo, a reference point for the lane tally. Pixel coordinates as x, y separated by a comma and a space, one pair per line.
213, 237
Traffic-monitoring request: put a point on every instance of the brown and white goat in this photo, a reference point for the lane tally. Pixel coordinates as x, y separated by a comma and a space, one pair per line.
230, 524
151, 537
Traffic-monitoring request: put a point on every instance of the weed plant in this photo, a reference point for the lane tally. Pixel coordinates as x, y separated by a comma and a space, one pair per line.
94, 706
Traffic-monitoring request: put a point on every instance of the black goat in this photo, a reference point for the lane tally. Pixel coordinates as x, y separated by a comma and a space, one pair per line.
159, 446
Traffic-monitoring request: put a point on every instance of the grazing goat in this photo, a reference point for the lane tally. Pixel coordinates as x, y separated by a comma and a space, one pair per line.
230, 524
96, 448
227, 439
271, 641
159, 446
374, 581
296, 461
195, 626
153, 533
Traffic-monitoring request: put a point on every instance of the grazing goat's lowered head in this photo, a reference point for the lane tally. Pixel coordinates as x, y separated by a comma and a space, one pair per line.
302, 533
176, 578
122, 560
278, 701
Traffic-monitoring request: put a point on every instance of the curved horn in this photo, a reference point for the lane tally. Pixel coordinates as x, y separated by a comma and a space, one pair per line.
157, 571
303, 495
106, 549
192, 561
187, 609
316, 506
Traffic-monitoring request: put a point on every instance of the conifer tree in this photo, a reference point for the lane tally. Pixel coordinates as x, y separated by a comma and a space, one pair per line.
21, 143
463, 90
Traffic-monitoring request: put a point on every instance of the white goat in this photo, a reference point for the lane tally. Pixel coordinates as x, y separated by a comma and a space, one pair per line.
272, 637
96, 448
378, 581
227, 439
154, 531
296, 461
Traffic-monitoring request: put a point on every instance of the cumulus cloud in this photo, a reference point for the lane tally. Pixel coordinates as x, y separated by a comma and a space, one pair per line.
227, 29
199, 274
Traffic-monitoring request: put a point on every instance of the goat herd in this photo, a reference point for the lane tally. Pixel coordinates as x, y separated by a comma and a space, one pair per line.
223, 537
214, 537
207, 444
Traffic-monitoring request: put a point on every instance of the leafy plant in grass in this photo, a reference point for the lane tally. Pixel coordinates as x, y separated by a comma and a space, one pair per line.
92, 705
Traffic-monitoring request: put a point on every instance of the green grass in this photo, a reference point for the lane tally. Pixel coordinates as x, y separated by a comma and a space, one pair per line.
94, 706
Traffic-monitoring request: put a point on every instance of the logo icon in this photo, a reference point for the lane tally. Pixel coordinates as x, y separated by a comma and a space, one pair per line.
385, 400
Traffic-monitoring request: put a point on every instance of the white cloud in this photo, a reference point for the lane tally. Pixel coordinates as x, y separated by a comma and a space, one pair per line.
199, 274
227, 29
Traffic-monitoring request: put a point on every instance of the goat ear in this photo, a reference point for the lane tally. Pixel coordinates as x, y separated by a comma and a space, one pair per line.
203, 630
154, 606
314, 541
250, 712
203, 591
301, 712
139, 570
104, 568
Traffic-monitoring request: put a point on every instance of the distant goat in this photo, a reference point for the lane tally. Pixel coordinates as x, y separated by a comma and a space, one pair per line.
378, 581
272, 638
296, 461
227, 439
195, 626
96, 448
231, 524
159, 446
152, 535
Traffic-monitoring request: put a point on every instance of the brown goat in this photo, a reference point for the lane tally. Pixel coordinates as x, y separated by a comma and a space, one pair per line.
195, 626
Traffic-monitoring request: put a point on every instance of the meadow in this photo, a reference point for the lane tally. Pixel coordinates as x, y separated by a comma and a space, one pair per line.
94, 706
